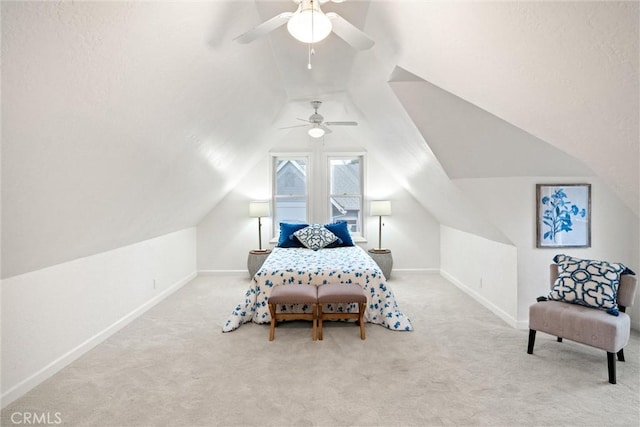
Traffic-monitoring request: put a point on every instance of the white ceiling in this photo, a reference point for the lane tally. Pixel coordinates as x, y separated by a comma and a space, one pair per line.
565, 72
123, 121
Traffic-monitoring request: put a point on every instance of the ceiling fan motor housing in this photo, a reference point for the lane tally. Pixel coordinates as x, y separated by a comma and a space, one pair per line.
316, 118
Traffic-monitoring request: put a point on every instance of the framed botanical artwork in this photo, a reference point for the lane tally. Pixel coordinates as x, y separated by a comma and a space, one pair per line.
563, 215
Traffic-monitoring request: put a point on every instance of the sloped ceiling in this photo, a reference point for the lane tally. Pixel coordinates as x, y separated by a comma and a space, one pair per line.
471, 143
123, 121
565, 72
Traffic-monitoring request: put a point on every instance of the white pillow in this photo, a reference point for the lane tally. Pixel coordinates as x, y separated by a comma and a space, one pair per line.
315, 236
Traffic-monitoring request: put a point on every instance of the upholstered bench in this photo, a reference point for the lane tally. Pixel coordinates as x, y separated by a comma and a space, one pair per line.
293, 294
341, 294
586, 325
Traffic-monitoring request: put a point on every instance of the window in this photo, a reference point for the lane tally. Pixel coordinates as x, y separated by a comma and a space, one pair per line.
345, 191
318, 188
290, 190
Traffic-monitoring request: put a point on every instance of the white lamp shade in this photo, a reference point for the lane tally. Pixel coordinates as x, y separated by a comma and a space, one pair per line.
380, 208
300, 26
259, 209
316, 132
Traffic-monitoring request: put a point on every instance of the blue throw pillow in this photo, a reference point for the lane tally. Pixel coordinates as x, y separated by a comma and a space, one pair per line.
287, 239
341, 230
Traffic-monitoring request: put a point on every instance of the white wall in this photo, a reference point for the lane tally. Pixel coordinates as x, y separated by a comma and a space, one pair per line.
142, 111
227, 233
52, 316
486, 270
510, 203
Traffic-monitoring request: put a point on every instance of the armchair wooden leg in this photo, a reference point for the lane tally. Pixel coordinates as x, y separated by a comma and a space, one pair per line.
621, 355
611, 364
559, 339
532, 340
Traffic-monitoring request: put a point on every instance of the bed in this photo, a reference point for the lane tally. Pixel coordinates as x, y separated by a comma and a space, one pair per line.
292, 266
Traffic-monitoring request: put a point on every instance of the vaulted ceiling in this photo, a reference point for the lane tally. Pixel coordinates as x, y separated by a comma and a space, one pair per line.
123, 121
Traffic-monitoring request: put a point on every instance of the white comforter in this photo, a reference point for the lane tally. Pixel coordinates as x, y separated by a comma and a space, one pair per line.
292, 266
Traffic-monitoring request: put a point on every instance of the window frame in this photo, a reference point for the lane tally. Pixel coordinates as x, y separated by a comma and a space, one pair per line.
275, 157
361, 156
318, 186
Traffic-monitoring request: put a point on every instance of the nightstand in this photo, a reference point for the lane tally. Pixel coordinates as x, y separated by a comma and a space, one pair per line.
256, 259
383, 258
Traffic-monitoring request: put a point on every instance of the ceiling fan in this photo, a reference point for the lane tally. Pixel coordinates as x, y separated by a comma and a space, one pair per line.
309, 24
317, 126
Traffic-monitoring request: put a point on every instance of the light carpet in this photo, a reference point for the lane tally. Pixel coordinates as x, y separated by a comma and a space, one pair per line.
461, 366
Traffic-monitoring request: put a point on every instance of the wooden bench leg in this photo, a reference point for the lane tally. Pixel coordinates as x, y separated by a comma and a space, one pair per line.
314, 308
359, 321
319, 317
361, 308
272, 328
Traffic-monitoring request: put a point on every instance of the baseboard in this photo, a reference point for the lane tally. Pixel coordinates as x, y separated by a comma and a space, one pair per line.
52, 368
416, 270
223, 273
482, 300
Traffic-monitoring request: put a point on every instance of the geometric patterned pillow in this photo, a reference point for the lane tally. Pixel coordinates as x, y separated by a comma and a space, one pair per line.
588, 282
315, 237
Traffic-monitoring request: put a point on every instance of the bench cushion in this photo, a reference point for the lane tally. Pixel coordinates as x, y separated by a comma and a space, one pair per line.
293, 294
341, 293
585, 325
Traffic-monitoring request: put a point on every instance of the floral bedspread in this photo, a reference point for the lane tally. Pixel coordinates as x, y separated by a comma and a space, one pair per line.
293, 266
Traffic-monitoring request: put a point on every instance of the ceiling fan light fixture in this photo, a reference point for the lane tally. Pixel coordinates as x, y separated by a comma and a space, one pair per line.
316, 132
309, 26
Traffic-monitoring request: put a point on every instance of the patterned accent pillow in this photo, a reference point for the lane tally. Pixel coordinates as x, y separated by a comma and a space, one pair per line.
588, 282
315, 237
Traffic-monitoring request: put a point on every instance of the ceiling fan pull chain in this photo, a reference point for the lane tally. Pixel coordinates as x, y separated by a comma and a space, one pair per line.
311, 52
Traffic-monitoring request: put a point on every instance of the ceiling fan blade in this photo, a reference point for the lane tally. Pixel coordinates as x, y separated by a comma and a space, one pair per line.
341, 123
349, 33
264, 28
304, 120
294, 126
325, 129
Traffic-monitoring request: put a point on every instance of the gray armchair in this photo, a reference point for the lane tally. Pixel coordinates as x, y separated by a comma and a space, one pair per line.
586, 325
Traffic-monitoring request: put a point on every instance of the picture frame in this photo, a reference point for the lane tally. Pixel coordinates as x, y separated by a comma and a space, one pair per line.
563, 215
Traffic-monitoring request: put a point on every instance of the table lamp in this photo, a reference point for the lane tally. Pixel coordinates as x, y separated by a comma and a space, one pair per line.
259, 210
380, 208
